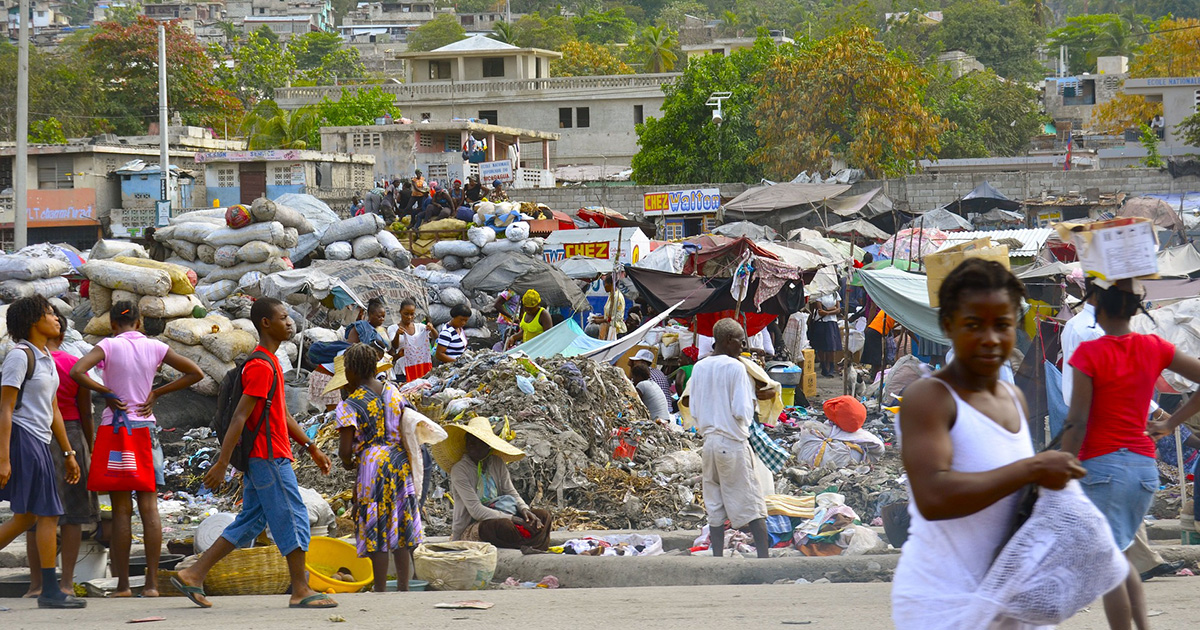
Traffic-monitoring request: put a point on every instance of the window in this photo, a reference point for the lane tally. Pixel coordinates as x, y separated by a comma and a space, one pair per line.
426, 116
490, 116
537, 68
673, 230
437, 172
583, 117
1076, 92
439, 70
425, 140
493, 67
639, 114
564, 117
282, 175
55, 172
366, 140
6, 173
453, 144
226, 177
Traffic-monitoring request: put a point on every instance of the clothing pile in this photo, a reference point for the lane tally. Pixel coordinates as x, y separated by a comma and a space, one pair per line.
624, 545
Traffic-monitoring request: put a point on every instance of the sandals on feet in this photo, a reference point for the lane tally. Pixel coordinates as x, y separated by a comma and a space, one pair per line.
191, 592
313, 601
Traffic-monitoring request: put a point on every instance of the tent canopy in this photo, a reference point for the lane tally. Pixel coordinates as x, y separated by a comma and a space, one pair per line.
1157, 210
582, 267
717, 256
940, 219
314, 283
983, 198
748, 230
566, 338
868, 205
913, 244
768, 198
905, 298
512, 270
698, 296
859, 227
1178, 262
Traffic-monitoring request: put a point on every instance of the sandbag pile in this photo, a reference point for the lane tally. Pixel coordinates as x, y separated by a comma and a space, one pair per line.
22, 275
235, 247
364, 237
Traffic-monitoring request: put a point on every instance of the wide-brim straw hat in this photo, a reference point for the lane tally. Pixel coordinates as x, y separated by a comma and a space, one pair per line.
449, 451
339, 379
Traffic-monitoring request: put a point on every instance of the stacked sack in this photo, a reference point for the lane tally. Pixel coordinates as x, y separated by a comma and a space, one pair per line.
234, 248
24, 276
165, 296
364, 237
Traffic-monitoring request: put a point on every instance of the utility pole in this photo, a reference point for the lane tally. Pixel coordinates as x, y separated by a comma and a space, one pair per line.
163, 159
21, 167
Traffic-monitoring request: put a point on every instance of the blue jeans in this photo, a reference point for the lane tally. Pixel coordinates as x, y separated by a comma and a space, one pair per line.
1121, 484
271, 497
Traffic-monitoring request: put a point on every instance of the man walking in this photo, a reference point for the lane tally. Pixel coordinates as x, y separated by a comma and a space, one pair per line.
722, 401
270, 493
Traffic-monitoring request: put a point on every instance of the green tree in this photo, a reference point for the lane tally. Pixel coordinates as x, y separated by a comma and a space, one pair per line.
440, 31
910, 34
991, 117
729, 24
1150, 142
1189, 128
310, 49
353, 107
60, 86
48, 131
504, 32
265, 33
683, 145
124, 61
124, 15
550, 32
845, 97
1173, 50
1002, 37
656, 46
1089, 37
673, 14
259, 66
269, 127
586, 59
230, 33
608, 27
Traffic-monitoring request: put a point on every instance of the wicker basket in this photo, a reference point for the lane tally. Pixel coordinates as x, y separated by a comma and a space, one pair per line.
253, 571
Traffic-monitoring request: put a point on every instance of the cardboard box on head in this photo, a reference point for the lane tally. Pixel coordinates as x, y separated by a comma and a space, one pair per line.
939, 264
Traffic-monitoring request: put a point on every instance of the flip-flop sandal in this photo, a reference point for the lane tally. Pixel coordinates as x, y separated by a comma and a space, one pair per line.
308, 602
191, 592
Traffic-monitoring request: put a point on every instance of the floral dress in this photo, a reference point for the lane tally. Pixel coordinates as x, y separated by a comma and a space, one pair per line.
388, 518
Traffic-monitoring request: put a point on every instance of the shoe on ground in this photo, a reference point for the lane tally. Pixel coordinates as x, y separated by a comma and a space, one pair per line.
1166, 568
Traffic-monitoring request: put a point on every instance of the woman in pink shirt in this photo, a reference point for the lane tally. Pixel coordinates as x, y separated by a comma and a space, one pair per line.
129, 361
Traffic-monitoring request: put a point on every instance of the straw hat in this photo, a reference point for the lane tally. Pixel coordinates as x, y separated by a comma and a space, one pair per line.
339, 379
450, 450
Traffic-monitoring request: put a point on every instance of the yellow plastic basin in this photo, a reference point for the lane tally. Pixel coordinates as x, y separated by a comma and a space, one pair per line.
326, 556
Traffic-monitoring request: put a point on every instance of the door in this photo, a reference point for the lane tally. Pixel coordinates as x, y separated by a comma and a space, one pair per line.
254, 182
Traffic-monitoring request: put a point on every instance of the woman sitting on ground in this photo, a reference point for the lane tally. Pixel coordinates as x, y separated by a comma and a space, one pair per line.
487, 507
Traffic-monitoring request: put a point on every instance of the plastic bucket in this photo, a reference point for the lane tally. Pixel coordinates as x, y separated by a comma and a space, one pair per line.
92, 563
327, 555
789, 396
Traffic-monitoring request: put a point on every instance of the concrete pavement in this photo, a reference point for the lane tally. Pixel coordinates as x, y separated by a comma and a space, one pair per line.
834, 606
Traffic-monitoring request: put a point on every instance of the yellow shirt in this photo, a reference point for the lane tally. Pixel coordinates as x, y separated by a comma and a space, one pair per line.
532, 329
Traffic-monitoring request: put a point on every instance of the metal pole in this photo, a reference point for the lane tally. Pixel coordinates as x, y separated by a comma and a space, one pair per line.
21, 165
1182, 472
164, 187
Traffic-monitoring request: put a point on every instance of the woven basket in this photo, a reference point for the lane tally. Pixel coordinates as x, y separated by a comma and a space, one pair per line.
253, 571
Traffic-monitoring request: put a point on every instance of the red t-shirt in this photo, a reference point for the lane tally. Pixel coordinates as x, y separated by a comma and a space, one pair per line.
67, 387
256, 381
1123, 370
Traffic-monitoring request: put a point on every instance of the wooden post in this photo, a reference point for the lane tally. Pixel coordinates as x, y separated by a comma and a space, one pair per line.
1182, 472
846, 357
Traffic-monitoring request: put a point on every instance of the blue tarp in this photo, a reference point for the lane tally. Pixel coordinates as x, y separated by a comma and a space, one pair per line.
566, 339
904, 297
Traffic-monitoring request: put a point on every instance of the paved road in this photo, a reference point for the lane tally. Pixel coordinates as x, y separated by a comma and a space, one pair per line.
834, 606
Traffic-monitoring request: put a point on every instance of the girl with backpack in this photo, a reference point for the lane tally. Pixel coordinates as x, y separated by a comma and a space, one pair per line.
30, 425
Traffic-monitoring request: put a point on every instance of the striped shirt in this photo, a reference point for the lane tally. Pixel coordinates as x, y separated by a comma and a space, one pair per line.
454, 341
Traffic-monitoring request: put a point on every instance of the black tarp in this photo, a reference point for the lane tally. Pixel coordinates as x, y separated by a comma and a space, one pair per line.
708, 296
513, 270
983, 198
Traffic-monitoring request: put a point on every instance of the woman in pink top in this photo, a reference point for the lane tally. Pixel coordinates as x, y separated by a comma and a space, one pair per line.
80, 507
130, 360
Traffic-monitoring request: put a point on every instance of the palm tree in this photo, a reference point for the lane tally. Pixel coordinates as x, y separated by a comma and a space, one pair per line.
729, 23
657, 45
504, 32
230, 32
268, 126
1040, 12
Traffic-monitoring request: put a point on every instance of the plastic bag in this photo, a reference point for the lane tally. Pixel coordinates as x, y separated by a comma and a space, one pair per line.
366, 246
340, 250
231, 345
106, 248
455, 566
451, 296
26, 268
352, 228
270, 232
517, 232
191, 331
258, 251
226, 255
183, 279
216, 291
11, 290
462, 249
480, 236
140, 280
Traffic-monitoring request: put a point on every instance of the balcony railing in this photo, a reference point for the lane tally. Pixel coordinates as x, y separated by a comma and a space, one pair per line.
417, 91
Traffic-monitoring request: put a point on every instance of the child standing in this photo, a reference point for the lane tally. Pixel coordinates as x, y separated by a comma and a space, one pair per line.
369, 423
80, 507
129, 361
27, 475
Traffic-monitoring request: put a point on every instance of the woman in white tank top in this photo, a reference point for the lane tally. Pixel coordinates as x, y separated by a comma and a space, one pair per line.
967, 452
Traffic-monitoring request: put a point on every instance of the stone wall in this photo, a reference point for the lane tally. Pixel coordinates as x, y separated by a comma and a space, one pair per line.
915, 192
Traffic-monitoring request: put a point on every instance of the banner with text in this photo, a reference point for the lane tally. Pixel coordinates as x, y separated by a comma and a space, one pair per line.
695, 201
491, 171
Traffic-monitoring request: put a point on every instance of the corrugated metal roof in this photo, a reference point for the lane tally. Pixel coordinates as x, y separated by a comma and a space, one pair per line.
1032, 240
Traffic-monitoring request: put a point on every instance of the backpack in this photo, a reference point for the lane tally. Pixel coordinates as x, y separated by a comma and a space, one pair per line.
227, 401
31, 363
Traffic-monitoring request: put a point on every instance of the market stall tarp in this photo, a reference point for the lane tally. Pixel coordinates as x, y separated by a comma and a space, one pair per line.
913, 244
566, 339
858, 227
667, 257
746, 229
905, 297
720, 259
867, 205
612, 351
982, 198
940, 219
368, 280
312, 282
1179, 261
516, 271
582, 267
1157, 210
709, 299
760, 200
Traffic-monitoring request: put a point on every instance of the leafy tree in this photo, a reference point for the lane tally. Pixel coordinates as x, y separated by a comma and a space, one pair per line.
230, 32
910, 34
267, 34
1089, 37
684, 145
124, 15
1002, 37
587, 59
341, 63
124, 61
269, 127
259, 66
504, 32
991, 117
672, 14
552, 32
440, 31
656, 46
1189, 128
354, 107
60, 86
310, 49
844, 97
1149, 142
729, 24
822, 20
1173, 50
48, 131
604, 28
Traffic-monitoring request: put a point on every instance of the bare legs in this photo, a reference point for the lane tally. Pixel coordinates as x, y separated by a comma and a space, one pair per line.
379, 566
1125, 606
758, 529
122, 540
72, 538
45, 536
195, 574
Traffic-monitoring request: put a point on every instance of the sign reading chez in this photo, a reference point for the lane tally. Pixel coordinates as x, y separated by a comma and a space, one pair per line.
695, 201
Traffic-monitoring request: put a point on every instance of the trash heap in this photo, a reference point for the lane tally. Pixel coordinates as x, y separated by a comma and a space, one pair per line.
35, 270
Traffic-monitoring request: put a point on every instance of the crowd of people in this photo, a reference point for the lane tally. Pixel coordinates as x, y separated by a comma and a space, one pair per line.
423, 200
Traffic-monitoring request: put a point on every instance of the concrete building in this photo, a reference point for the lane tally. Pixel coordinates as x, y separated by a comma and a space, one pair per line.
232, 177
437, 150
284, 26
320, 12
481, 79
727, 45
200, 18
43, 14
1069, 101
960, 62
1180, 98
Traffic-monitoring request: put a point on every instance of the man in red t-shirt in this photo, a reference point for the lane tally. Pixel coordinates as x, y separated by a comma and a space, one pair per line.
270, 493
